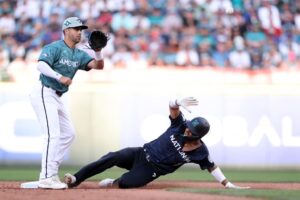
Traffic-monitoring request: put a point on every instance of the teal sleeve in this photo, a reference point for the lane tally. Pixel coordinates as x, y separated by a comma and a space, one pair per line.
85, 59
48, 55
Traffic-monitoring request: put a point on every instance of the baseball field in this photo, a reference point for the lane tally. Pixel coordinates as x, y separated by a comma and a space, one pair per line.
186, 183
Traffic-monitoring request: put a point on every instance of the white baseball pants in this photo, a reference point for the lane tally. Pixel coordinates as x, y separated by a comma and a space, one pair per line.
56, 126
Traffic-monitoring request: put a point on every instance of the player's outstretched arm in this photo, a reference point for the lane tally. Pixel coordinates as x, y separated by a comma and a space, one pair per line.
98, 62
219, 176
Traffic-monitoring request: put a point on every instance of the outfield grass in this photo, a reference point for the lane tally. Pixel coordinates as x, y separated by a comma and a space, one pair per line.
22, 173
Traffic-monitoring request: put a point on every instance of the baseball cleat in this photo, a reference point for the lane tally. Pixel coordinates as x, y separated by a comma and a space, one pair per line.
108, 182
52, 183
70, 180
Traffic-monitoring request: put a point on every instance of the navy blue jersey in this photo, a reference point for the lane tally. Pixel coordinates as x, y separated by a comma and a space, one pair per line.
166, 153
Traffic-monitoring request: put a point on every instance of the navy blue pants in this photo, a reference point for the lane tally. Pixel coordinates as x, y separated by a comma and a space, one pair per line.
140, 171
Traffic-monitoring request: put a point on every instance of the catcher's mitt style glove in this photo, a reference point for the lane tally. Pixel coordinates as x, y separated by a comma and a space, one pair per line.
98, 40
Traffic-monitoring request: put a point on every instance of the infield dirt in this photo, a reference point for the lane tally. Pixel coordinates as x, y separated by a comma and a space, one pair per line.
156, 190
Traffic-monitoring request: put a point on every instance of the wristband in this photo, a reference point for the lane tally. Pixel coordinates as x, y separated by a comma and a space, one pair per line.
98, 55
219, 176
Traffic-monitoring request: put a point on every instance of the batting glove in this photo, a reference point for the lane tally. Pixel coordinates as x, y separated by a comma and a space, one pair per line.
184, 102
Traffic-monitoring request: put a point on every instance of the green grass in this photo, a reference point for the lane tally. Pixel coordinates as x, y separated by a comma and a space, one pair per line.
254, 193
31, 173
21, 173
239, 175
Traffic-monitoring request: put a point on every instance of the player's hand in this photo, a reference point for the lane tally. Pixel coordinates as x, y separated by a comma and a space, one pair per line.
229, 185
65, 80
186, 102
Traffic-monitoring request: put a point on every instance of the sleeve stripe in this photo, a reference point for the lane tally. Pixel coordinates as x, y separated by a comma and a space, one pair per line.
86, 66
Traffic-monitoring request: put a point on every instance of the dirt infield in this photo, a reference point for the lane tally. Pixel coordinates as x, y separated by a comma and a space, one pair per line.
154, 191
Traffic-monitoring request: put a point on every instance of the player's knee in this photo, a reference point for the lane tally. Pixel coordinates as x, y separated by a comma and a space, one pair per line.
125, 184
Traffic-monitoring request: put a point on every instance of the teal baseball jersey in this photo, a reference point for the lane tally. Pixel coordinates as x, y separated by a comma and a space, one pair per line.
63, 60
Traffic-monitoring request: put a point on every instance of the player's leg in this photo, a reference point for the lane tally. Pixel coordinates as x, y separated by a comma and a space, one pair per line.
141, 174
45, 106
123, 158
67, 132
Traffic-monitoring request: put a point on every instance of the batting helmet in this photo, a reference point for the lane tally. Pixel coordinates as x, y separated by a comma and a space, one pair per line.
199, 128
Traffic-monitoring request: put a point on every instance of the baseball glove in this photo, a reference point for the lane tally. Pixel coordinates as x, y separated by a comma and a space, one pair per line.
98, 40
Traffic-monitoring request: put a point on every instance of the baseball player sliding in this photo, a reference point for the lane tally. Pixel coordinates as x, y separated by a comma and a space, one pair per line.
58, 63
181, 143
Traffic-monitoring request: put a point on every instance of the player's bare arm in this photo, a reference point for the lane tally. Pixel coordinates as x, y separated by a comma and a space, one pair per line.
65, 80
97, 64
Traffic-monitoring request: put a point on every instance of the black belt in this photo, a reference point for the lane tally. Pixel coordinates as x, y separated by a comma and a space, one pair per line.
58, 93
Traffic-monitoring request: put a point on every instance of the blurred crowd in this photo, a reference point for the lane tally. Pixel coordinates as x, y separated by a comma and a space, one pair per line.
234, 34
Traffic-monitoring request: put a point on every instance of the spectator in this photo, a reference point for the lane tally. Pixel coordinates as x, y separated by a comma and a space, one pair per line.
255, 37
170, 50
104, 18
272, 58
187, 55
220, 55
121, 56
140, 21
256, 58
4, 58
297, 20
203, 35
4, 62
270, 19
290, 52
137, 60
287, 18
122, 19
188, 19
220, 5
157, 4
172, 21
158, 29
7, 24
156, 17
23, 39
6, 7
53, 30
27, 9
239, 58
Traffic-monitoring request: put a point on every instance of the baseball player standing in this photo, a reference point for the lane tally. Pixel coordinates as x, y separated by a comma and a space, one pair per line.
181, 143
58, 63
